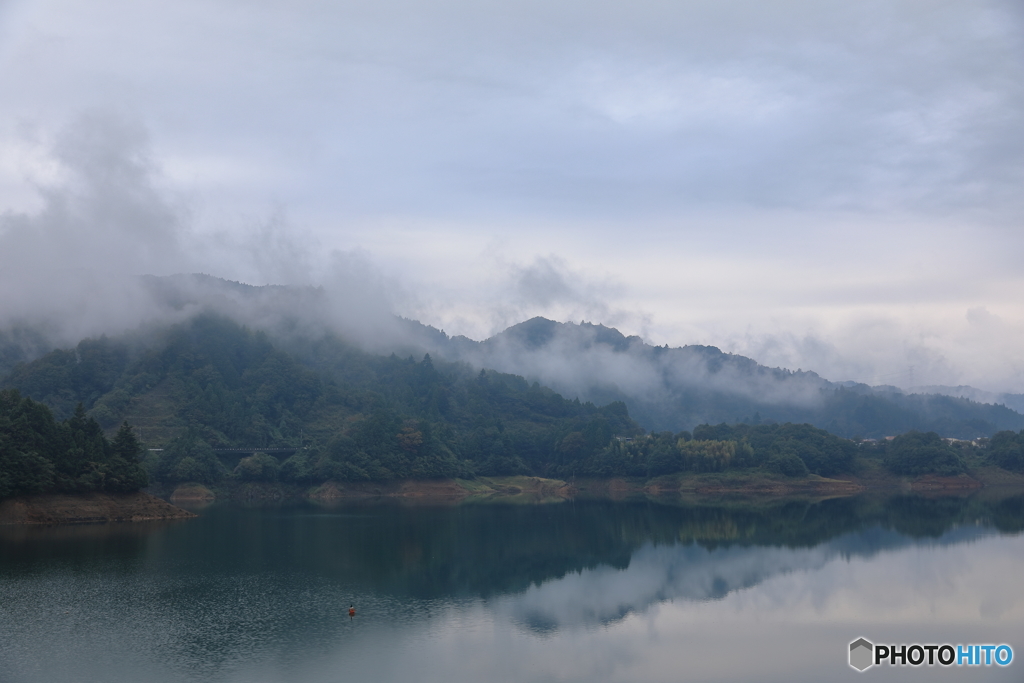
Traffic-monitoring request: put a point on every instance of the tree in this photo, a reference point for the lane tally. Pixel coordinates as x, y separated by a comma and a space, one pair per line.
258, 467
22, 473
125, 473
189, 458
38, 455
1006, 449
788, 463
916, 453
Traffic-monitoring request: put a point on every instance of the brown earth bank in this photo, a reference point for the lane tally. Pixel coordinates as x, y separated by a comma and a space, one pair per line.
519, 489
524, 489
931, 482
440, 489
991, 476
873, 476
192, 493
481, 489
515, 489
756, 484
87, 508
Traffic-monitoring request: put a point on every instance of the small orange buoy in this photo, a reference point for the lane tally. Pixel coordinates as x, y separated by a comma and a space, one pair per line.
351, 611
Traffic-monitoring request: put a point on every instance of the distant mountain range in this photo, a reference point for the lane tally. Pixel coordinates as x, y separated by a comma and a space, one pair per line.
1012, 401
679, 388
664, 388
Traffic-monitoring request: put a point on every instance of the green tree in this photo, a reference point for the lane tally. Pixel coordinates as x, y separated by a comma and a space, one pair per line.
39, 455
1006, 449
297, 469
786, 462
125, 472
916, 453
22, 473
258, 467
189, 458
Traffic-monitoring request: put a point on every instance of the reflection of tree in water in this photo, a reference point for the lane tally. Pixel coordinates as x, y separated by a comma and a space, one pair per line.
919, 517
780, 539
484, 550
1007, 514
202, 595
76, 547
487, 550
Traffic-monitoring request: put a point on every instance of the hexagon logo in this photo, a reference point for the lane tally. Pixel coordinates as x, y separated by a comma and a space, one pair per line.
861, 654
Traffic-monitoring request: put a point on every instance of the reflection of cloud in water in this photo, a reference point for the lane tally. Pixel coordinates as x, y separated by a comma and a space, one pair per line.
690, 572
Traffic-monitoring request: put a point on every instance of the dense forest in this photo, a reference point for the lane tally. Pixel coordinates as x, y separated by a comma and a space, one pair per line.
795, 450
211, 384
788, 449
309, 411
40, 455
1006, 450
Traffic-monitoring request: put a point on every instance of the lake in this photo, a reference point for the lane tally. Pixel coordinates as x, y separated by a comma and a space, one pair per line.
726, 590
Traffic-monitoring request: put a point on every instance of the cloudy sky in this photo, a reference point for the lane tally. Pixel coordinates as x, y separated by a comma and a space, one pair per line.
833, 186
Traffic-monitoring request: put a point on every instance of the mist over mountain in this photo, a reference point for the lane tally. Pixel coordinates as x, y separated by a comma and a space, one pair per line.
352, 307
679, 388
1013, 401
664, 388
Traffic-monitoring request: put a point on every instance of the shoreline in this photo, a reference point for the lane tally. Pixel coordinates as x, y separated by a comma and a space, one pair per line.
88, 508
168, 503
532, 490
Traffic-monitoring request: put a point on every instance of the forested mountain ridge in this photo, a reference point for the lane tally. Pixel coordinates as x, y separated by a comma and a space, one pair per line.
210, 383
664, 388
335, 412
680, 388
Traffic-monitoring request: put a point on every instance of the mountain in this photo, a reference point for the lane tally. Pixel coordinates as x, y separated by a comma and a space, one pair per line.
664, 388
214, 399
1012, 401
209, 383
679, 388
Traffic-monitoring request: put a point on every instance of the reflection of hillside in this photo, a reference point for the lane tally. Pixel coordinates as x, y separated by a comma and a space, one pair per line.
491, 550
690, 572
25, 546
736, 549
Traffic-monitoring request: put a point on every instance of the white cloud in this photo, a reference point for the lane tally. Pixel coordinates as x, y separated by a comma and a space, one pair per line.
816, 182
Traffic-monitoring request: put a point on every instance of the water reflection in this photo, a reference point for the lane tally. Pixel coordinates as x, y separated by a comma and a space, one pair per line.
261, 594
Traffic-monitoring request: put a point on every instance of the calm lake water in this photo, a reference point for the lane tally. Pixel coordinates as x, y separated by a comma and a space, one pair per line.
578, 591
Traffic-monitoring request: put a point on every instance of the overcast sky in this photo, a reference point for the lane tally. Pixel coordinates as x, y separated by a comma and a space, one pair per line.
834, 186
